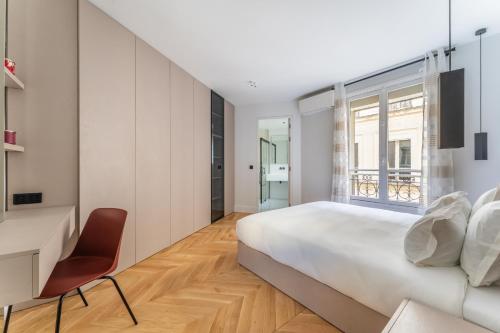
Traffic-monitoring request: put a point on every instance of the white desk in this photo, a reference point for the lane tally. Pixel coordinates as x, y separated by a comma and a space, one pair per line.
31, 243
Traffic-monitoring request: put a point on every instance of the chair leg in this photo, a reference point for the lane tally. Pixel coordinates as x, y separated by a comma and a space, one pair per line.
83, 297
122, 297
7, 310
59, 312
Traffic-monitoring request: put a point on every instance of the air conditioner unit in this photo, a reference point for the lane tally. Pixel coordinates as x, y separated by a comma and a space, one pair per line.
316, 103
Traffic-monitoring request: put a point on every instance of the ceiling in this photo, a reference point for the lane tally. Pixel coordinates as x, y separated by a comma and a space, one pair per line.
292, 47
273, 123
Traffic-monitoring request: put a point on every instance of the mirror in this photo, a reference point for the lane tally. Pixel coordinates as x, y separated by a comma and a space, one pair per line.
280, 143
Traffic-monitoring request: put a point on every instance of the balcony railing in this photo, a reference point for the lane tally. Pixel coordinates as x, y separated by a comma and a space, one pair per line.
403, 185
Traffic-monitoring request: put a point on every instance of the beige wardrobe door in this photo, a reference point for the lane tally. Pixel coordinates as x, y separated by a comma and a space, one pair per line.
152, 151
107, 120
228, 158
182, 153
202, 149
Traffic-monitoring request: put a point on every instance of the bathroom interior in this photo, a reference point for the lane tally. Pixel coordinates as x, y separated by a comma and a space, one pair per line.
273, 135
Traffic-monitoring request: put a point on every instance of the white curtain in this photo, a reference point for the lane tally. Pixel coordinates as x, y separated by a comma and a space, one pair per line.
340, 179
437, 164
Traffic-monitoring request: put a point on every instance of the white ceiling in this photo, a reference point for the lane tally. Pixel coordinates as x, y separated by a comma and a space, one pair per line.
274, 123
292, 47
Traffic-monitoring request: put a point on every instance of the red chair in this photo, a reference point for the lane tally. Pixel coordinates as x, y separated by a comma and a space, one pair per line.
94, 257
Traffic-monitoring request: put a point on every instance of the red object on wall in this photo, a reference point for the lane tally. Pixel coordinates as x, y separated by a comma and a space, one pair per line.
9, 137
10, 65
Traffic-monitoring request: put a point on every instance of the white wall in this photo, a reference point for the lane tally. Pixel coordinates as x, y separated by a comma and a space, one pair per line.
45, 114
246, 152
472, 176
317, 160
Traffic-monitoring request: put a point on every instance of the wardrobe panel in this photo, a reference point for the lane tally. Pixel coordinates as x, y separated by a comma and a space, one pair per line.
202, 124
152, 151
228, 158
182, 150
107, 120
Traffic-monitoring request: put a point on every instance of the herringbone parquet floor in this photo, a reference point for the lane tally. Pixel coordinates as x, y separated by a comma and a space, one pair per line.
193, 286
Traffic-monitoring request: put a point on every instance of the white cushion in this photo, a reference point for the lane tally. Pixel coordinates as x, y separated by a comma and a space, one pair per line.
437, 238
481, 252
486, 197
448, 199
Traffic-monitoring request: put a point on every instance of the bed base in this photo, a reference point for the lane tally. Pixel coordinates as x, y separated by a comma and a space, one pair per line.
338, 309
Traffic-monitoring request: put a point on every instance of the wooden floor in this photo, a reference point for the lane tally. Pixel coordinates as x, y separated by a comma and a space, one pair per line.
194, 286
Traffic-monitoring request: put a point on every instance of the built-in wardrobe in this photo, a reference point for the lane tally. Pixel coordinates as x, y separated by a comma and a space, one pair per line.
145, 138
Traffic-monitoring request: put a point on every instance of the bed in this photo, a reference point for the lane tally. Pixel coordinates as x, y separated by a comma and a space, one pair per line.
347, 263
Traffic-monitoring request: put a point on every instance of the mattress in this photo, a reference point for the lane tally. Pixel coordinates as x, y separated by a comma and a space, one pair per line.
356, 250
482, 306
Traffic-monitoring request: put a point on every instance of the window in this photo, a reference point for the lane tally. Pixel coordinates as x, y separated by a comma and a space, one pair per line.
391, 154
405, 154
356, 155
386, 130
364, 129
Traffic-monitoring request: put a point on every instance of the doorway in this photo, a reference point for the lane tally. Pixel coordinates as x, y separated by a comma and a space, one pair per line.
274, 155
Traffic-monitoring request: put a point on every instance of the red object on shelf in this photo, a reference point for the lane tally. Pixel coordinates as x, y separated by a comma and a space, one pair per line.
9, 137
10, 65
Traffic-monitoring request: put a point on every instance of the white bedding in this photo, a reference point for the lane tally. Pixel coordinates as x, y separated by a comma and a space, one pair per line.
355, 250
482, 306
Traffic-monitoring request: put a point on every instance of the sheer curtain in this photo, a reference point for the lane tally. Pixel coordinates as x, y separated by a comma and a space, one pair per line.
437, 164
340, 179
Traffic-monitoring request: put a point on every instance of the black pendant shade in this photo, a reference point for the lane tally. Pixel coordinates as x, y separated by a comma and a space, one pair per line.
481, 146
451, 109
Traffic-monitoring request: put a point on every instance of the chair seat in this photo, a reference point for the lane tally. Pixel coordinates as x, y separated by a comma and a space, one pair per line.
74, 272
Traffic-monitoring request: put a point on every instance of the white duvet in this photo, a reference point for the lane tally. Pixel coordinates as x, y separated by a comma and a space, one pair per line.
355, 250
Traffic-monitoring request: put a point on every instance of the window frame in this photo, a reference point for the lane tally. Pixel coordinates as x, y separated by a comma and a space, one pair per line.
382, 91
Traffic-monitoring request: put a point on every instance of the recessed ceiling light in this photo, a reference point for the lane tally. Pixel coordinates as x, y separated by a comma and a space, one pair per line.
252, 84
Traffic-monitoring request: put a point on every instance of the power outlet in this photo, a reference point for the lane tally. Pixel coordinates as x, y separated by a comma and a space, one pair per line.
27, 198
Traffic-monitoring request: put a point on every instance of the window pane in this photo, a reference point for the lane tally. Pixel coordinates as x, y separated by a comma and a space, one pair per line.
391, 154
364, 141
405, 126
356, 155
405, 154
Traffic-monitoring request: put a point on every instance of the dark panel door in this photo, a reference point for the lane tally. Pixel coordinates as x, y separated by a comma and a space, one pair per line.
217, 157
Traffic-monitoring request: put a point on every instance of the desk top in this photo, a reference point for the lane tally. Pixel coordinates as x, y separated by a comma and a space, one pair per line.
27, 231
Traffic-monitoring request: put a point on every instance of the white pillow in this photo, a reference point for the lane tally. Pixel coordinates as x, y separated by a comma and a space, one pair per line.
448, 199
486, 197
437, 238
481, 253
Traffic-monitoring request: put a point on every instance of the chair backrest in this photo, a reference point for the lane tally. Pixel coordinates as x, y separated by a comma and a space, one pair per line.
102, 234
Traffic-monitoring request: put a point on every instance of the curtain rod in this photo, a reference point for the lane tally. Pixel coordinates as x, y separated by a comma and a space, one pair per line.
447, 52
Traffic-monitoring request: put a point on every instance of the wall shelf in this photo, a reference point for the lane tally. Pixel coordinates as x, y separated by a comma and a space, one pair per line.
12, 81
16, 148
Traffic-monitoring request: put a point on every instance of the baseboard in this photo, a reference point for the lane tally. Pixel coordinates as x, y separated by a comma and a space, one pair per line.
245, 209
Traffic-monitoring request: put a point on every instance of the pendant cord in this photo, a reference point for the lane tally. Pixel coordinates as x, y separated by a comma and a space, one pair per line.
480, 83
449, 35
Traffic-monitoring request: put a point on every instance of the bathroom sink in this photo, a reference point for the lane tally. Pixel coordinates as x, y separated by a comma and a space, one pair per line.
277, 177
